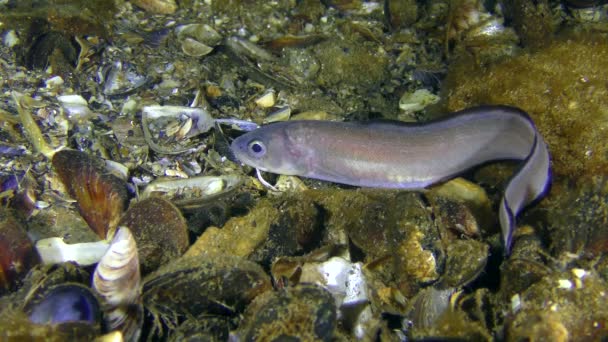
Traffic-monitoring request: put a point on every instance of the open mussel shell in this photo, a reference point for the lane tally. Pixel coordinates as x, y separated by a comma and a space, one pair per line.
118, 283
68, 309
303, 313
160, 231
190, 286
190, 193
101, 197
17, 252
65, 303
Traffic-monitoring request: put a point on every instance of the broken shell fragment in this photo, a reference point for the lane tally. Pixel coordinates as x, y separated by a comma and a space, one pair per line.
187, 193
117, 281
197, 39
55, 251
280, 114
417, 100
101, 197
195, 48
120, 78
267, 99
168, 121
76, 107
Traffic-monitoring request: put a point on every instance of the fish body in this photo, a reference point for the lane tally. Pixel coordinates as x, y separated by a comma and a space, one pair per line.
407, 156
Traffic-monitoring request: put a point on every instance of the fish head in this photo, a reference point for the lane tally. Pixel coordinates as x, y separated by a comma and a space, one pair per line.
269, 149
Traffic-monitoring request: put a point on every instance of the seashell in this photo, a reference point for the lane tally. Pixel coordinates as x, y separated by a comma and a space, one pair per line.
429, 305
17, 253
159, 229
76, 107
51, 48
247, 49
121, 78
202, 33
280, 114
416, 101
64, 303
118, 283
187, 193
101, 197
166, 121
466, 260
156, 6
191, 286
267, 100
303, 313
55, 251
195, 48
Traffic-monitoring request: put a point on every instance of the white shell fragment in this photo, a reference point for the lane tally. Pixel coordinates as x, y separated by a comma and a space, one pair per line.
346, 282
344, 279
55, 251
117, 280
175, 122
202, 121
417, 101
190, 191
281, 114
194, 48
76, 107
267, 99
197, 39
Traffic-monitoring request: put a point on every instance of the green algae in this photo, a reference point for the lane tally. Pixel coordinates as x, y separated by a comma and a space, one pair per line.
563, 89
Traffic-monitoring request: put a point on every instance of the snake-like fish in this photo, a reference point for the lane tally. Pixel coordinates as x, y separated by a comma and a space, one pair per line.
408, 156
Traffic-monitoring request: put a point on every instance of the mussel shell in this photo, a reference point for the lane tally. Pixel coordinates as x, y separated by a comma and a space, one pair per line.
303, 313
203, 328
117, 280
65, 303
160, 231
190, 286
101, 197
17, 252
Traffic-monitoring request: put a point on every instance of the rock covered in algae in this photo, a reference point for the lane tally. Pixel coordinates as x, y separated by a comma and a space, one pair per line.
280, 227
582, 228
343, 61
563, 306
563, 89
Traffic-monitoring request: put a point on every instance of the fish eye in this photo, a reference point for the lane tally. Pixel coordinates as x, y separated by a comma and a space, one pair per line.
257, 148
